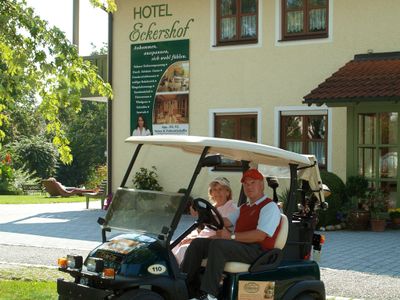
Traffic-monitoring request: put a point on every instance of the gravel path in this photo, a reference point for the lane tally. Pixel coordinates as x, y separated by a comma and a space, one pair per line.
360, 285
338, 283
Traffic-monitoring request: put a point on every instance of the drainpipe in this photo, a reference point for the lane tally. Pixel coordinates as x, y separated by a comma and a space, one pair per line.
75, 24
109, 103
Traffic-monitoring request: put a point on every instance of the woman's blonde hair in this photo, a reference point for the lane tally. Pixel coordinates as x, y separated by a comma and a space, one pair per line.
222, 181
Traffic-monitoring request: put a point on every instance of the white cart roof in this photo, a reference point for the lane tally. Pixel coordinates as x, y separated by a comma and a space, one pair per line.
233, 149
256, 154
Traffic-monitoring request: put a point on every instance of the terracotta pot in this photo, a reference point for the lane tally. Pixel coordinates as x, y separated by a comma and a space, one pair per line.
378, 225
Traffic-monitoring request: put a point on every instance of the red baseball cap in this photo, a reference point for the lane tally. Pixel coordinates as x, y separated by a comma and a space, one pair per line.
252, 173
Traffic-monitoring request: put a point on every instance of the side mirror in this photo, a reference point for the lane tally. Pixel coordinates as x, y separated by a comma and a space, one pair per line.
211, 161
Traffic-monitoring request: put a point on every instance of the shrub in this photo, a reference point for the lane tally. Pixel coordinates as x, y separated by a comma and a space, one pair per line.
36, 154
22, 177
6, 172
97, 176
356, 186
334, 214
146, 179
394, 213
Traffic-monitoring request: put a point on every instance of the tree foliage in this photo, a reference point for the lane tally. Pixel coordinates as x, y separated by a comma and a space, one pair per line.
87, 133
38, 60
108, 5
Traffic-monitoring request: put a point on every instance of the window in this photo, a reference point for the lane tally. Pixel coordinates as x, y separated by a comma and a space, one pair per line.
304, 19
306, 134
238, 127
377, 150
237, 22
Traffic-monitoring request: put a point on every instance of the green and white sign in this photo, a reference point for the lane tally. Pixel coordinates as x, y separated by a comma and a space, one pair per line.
160, 88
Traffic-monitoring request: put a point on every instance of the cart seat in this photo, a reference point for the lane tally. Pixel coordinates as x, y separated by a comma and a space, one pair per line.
269, 259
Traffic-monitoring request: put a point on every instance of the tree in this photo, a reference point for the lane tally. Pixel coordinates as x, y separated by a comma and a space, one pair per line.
87, 132
38, 60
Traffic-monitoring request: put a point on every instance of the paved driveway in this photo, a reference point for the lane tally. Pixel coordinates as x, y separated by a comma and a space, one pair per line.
58, 225
71, 226
363, 251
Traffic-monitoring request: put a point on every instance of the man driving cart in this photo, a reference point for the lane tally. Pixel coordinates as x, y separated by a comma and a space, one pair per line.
256, 225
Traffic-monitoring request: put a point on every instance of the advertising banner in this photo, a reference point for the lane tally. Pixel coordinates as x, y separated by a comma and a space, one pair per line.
160, 88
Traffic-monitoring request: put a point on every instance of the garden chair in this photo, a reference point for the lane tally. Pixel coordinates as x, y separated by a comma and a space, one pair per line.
100, 193
54, 188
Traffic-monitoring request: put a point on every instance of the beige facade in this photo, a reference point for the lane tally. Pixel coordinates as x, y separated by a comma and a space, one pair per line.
265, 78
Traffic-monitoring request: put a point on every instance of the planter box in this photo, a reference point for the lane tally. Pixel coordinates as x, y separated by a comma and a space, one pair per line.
358, 220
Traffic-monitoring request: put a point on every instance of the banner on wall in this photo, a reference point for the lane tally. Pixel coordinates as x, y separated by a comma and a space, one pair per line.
160, 88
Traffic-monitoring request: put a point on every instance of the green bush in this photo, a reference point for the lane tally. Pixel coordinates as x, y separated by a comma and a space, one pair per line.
36, 154
356, 186
22, 177
336, 201
96, 177
146, 179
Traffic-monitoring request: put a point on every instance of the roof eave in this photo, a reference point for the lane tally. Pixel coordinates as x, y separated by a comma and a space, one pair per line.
350, 101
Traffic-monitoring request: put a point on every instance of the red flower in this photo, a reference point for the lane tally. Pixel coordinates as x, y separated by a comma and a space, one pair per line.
8, 158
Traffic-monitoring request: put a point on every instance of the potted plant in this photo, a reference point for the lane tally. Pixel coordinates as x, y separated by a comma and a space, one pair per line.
394, 214
358, 215
378, 202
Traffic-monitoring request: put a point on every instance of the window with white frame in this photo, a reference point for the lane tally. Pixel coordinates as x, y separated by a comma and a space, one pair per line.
238, 126
305, 132
304, 19
237, 22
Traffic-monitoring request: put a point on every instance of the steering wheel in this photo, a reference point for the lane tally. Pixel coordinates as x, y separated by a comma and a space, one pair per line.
208, 214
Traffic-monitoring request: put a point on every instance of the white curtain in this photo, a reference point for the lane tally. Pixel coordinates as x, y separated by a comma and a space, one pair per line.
318, 149
228, 28
295, 21
295, 147
248, 26
317, 19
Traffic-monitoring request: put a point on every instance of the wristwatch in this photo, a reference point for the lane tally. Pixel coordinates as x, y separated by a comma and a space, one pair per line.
233, 236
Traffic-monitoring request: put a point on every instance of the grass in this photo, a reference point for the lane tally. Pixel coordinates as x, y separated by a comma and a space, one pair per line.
38, 199
23, 290
29, 283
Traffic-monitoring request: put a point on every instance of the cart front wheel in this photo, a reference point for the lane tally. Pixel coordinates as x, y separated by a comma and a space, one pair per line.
140, 294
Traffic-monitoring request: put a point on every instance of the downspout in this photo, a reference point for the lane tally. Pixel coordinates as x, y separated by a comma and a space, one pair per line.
109, 103
75, 24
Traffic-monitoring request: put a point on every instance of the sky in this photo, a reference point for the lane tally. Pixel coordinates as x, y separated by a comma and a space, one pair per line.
93, 26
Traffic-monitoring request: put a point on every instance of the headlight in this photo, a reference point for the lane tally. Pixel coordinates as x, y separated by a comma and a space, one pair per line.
95, 264
74, 261
62, 262
109, 273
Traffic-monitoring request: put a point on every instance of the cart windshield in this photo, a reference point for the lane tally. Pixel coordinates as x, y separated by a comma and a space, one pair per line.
145, 211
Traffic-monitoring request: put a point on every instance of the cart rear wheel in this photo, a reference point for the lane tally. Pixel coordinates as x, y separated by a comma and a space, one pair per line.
140, 294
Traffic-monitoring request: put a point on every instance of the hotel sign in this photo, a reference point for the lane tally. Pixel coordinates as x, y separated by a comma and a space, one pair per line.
160, 86
152, 32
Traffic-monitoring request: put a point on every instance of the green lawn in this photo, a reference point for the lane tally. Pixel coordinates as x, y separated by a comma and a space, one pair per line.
38, 199
29, 283
27, 290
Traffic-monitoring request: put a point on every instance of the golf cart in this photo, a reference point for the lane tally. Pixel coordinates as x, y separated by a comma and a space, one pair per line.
137, 262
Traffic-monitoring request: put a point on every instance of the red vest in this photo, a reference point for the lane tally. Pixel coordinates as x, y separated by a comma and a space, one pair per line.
248, 220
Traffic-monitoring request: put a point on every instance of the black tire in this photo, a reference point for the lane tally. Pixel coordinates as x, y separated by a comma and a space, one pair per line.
140, 294
305, 296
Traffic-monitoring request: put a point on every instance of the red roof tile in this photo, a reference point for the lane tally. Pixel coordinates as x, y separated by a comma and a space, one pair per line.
366, 77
